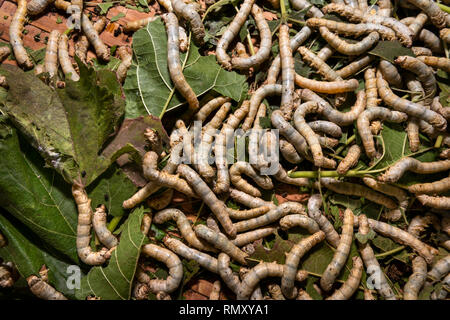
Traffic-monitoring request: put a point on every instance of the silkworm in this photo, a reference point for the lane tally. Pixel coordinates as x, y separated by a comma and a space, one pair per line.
408, 107
248, 214
64, 59
183, 225
436, 62
217, 207
101, 230
350, 285
353, 189
225, 272
416, 280
372, 266
438, 17
255, 102
402, 237
314, 204
209, 107
173, 60
3, 241
293, 259
371, 88
172, 262
287, 72
275, 292
384, 8
311, 11
403, 33
437, 107
221, 242
189, 13
241, 167
132, 26
441, 294
245, 238
421, 51
85, 252
326, 87
248, 200
351, 49
34, 7
271, 216
445, 154
160, 201
5, 51
340, 256
333, 115
264, 50
6, 278
15, 36
43, 290
431, 41
434, 202
412, 128
363, 125
350, 160
424, 75
303, 295
289, 153
146, 223
299, 220
233, 29
283, 176
82, 45
355, 66
151, 172
396, 171
215, 291
390, 73
326, 52
440, 268
51, 54
123, 67
445, 35
435, 187
322, 68
416, 25
260, 272
308, 133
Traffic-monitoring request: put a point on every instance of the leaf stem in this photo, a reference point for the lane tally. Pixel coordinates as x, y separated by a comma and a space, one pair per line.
341, 148
283, 10
444, 7
113, 223
438, 142
388, 253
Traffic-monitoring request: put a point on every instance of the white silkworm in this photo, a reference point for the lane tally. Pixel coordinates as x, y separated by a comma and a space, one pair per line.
314, 204
396, 171
135, 25
64, 58
416, 280
245, 238
101, 230
437, 107
287, 73
322, 68
350, 160
434, 202
412, 128
248, 200
350, 285
299, 220
438, 17
289, 153
241, 167
51, 54
15, 36
123, 67
436, 62
371, 88
209, 107
227, 275
435, 187
350, 49
440, 268
189, 13
390, 73
160, 201
215, 292
445, 35
247, 214
255, 102
421, 51
82, 45
332, 87
34, 7
43, 290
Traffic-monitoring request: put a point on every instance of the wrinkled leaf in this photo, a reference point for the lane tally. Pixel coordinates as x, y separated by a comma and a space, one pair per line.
389, 50
386, 244
104, 7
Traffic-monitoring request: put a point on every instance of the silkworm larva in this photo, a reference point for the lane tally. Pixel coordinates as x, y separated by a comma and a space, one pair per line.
353, 189
172, 262
434, 202
412, 128
34, 7
51, 54
255, 102
363, 125
368, 295
163, 296
15, 36
445, 154
82, 45
271, 216
6, 277
326, 87
183, 225
238, 169
333, 115
217, 207
283, 176
64, 58
248, 200
299, 220
445, 35
322, 68
416, 280
160, 201
384, 8
341, 254
440, 268
431, 41
132, 26
437, 107
421, 51
350, 285
3, 241
293, 259
308, 133
5, 51
351, 49
167, 4
221, 242
424, 75
371, 262
326, 52
355, 66
43, 290
247, 214
209, 107
350, 160
264, 50
146, 223
402, 237
215, 292
403, 33
408, 107
261, 271
441, 294
289, 153
436, 62
417, 23
435, 187
303, 295
396, 171
189, 13
85, 252
227, 275
151, 172
287, 73
173, 60
371, 88
245, 238
123, 67
438, 17
390, 73
233, 29
275, 292
101, 230
314, 204
348, 29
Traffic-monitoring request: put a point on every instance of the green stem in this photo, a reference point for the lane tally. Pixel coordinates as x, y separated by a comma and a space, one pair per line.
283, 10
444, 7
341, 148
114, 222
302, 23
388, 253
438, 142
329, 174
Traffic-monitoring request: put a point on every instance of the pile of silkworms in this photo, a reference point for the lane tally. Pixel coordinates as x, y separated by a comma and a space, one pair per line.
310, 124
